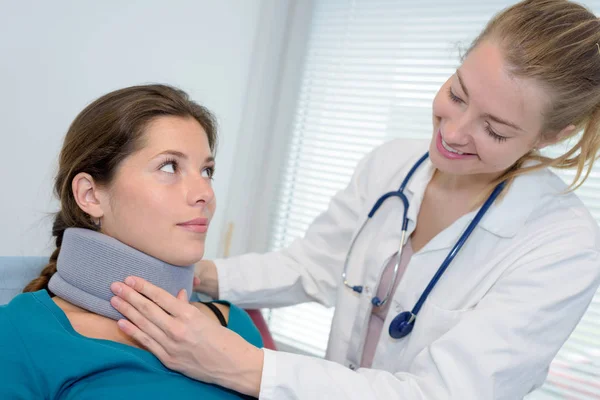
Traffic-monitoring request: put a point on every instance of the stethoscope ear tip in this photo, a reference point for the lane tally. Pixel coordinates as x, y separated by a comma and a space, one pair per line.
357, 289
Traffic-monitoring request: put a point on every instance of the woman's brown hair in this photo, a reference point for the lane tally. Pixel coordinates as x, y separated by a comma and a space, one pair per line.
105, 133
557, 44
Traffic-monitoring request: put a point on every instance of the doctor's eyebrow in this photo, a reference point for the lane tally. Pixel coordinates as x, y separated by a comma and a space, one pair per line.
183, 156
462, 85
487, 115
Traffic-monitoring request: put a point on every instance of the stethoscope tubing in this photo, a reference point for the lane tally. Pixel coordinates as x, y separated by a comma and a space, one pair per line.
403, 322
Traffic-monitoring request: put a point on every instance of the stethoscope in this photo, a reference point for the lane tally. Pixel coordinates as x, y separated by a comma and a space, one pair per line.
403, 323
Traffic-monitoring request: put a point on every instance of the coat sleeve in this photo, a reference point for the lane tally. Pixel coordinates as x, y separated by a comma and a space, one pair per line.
498, 350
309, 269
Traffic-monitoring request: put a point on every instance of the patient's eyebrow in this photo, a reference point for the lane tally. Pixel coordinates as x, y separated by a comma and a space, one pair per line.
181, 155
172, 153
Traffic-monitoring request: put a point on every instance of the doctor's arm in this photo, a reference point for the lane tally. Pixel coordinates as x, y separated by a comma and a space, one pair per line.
498, 350
309, 269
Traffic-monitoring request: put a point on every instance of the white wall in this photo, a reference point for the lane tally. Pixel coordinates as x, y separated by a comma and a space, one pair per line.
263, 143
57, 56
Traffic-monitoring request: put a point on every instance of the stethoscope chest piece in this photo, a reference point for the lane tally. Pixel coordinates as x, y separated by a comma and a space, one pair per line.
402, 325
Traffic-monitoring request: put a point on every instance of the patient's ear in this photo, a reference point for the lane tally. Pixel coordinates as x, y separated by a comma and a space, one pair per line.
88, 195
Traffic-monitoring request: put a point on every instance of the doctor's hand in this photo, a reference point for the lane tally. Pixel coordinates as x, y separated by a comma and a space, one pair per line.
186, 340
206, 278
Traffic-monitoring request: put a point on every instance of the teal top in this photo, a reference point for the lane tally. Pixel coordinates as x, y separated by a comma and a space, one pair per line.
43, 357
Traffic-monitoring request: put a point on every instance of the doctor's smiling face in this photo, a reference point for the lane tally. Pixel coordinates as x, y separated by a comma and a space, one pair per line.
484, 118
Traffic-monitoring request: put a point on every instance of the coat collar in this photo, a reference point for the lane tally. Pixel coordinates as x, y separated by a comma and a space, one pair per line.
416, 188
508, 215
504, 218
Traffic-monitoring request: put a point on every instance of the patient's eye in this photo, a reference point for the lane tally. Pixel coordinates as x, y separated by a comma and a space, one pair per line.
169, 166
208, 172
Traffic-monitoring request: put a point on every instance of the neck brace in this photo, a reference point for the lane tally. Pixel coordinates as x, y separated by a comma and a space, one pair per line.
89, 262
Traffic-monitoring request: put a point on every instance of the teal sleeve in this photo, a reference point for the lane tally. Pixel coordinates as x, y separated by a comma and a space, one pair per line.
18, 379
241, 323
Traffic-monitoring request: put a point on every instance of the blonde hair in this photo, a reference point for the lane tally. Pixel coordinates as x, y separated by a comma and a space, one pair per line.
556, 43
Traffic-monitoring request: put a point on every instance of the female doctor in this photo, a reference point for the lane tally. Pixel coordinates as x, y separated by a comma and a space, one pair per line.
466, 285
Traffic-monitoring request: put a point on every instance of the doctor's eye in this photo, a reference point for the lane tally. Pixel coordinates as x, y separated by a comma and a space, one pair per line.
494, 135
169, 166
454, 97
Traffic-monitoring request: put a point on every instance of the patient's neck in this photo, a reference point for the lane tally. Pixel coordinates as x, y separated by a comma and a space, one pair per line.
91, 325
89, 262
96, 326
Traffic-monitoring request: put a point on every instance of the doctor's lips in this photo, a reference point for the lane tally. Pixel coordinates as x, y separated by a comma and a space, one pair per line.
449, 152
198, 225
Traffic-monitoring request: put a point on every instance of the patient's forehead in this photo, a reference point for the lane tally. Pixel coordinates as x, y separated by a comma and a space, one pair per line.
177, 134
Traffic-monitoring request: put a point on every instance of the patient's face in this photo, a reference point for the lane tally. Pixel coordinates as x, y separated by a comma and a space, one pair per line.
161, 199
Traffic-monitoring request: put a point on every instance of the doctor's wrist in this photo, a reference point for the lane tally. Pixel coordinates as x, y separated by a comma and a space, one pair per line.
244, 374
206, 272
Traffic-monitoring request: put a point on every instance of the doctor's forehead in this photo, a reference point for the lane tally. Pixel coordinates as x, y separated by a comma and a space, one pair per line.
486, 76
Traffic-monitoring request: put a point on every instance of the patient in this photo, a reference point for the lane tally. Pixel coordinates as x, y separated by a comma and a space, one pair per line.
134, 184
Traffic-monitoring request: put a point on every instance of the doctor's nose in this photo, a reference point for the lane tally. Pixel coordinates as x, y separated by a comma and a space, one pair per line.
457, 132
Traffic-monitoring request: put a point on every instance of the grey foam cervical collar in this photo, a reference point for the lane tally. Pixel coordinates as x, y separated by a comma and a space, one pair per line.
89, 262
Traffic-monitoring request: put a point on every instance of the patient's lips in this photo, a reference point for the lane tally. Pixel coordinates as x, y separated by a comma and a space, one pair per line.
198, 225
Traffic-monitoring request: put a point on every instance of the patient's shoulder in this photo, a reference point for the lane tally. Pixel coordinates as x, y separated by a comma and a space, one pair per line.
6, 324
209, 309
30, 316
236, 319
20, 305
17, 363
241, 323
19, 316
11, 316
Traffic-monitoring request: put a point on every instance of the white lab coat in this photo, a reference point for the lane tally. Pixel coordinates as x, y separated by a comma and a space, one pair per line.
488, 330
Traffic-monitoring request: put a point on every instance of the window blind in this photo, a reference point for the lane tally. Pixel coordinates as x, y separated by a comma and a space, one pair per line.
370, 74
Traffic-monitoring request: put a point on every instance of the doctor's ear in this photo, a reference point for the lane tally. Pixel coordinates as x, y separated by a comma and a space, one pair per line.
563, 134
88, 195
